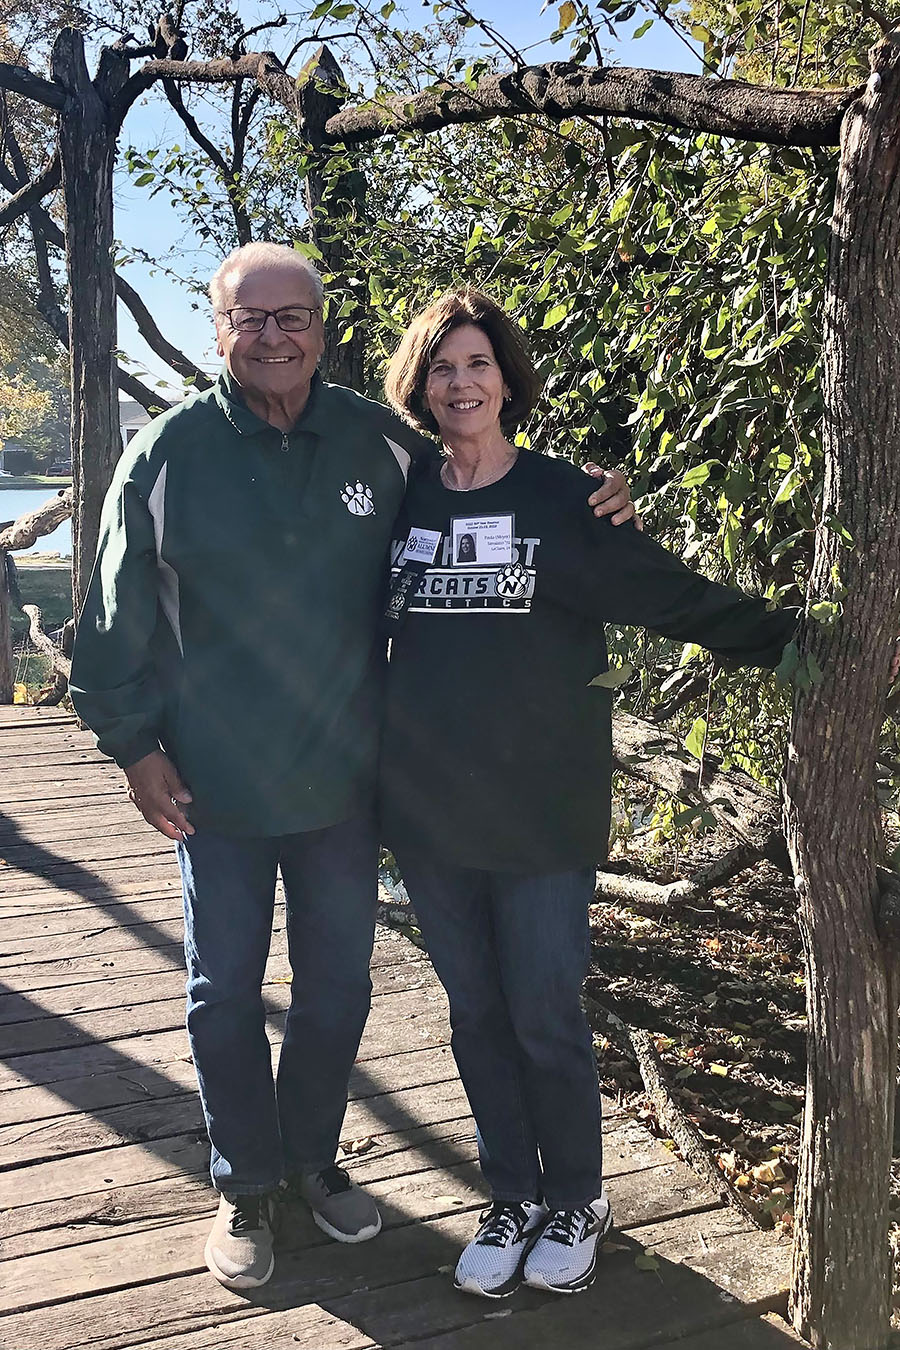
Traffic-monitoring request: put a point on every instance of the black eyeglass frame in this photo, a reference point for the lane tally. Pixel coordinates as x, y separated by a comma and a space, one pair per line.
270, 314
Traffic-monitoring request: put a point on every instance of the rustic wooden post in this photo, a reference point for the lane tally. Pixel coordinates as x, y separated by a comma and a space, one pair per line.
6, 661
87, 141
331, 204
842, 1271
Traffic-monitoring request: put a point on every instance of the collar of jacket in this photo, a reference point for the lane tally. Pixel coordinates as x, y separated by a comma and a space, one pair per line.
229, 397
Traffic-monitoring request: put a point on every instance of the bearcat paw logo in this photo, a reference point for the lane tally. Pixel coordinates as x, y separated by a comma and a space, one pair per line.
512, 581
358, 500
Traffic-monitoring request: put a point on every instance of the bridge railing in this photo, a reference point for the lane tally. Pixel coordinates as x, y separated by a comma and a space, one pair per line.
15, 536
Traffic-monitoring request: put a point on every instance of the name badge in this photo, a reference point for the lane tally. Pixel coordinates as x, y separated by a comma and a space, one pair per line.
481, 540
421, 546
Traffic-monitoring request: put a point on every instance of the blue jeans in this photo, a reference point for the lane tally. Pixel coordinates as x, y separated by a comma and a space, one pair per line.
512, 952
261, 1130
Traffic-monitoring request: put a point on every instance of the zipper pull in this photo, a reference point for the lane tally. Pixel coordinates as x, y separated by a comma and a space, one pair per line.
285, 443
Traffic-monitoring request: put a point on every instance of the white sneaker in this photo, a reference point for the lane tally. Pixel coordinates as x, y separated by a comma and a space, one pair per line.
564, 1257
492, 1263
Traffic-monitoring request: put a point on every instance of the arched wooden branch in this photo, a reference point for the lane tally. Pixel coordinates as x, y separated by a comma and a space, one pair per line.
560, 90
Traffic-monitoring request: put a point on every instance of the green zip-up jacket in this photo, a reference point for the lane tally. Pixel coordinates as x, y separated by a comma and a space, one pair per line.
232, 616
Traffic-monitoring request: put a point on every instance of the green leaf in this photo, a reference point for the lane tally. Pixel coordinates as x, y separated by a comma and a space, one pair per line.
555, 315
720, 1070
825, 612
644, 28
646, 1261
787, 667
698, 474
696, 737
346, 335
614, 679
144, 179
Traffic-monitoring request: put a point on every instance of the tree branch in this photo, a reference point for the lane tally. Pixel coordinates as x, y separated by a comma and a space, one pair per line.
21, 202
229, 172
136, 389
264, 67
154, 339
22, 81
173, 94
562, 89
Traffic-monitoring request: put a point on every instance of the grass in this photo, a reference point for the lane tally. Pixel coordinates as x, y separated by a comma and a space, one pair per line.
48, 587
35, 480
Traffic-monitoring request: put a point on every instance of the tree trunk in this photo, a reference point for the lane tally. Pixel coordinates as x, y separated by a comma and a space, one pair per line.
6, 666
333, 203
87, 139
841, 1283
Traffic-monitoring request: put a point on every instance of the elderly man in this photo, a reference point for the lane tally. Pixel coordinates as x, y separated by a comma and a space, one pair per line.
228, 659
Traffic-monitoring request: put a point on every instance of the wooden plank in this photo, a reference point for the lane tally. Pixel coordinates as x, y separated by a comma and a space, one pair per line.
419, 1196
64, 828
103, 938
159, 862
50, 979
769, 1332
392, 1111
85, 849
132, 990
26, 914
24, 811
70, 971
18, 715
70, 770
122, 1316
38, 1052
23, 1109
408, 1026
154, 1184
159, 907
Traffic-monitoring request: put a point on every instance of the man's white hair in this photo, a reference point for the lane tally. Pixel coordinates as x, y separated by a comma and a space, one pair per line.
261, 255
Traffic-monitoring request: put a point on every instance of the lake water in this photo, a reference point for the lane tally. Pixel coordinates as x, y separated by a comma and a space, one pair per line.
14, 502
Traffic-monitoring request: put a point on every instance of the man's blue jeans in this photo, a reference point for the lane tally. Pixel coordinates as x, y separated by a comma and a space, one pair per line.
260, 1131
512, 952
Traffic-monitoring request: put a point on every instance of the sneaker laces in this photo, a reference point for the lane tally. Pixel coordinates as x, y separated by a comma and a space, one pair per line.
502, 1224
565, 1225
246, 1215
335, 1179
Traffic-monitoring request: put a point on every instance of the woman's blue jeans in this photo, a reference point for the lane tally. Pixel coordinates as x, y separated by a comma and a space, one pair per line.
512, 952
263, 1129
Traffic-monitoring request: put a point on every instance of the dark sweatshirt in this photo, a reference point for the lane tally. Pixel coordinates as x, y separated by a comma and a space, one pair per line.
497, 748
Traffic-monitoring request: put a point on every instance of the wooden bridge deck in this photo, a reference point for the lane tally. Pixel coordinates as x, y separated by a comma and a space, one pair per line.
104, 1198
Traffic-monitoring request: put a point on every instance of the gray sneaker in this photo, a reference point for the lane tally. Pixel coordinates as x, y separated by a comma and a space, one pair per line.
339, 1207
239, 1248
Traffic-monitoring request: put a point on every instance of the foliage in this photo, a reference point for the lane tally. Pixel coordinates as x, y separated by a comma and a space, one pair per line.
670, 283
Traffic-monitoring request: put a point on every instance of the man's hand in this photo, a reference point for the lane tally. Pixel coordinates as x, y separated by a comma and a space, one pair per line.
612, 497
157, 791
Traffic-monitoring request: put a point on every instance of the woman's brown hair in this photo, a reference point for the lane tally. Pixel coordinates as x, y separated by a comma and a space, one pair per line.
408, 370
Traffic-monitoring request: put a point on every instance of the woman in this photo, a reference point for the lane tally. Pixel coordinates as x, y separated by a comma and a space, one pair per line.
496, 767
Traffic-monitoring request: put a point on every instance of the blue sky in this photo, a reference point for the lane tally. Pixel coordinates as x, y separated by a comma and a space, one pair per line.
150, 223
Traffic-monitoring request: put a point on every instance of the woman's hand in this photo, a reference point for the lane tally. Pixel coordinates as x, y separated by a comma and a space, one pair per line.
613, 496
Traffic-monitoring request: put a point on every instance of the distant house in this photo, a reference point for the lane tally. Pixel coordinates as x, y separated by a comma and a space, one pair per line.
132, 417
17, 457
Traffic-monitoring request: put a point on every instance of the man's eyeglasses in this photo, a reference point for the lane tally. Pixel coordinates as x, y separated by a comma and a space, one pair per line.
290, 318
